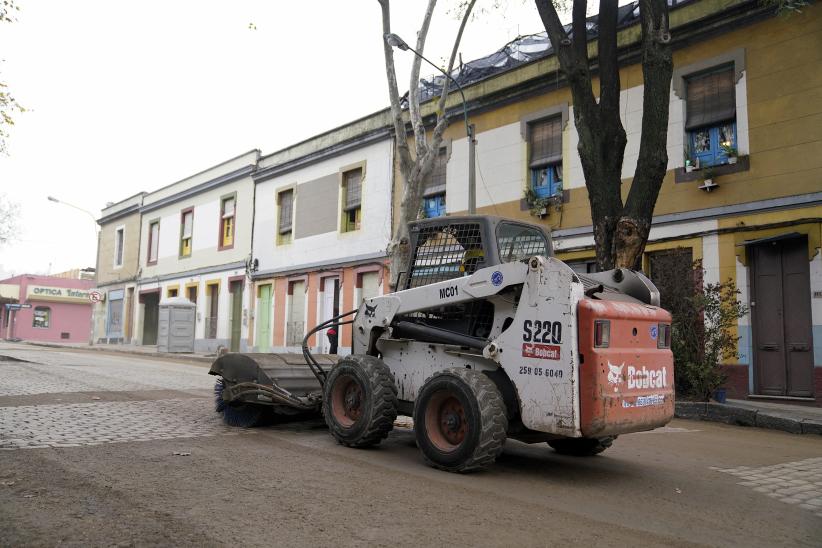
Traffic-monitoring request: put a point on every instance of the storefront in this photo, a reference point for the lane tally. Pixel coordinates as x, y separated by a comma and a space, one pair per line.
48, 309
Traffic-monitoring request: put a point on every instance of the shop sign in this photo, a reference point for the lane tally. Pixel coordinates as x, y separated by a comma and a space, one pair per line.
58, 294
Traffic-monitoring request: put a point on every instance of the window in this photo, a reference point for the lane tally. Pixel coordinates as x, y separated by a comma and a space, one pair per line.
227, 222
153, 241
519, 242
119, 237
434, 186
711, 116
191, 293
352, 200
42, 317
173, 291
545, 156
285, 201
186, 230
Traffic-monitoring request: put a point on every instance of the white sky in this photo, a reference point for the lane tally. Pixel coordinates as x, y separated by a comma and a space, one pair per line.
131, 96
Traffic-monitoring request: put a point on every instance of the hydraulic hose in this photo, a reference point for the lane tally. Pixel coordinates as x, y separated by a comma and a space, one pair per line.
315, 367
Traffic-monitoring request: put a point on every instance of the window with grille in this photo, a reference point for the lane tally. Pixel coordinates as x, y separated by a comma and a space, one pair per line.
285, 201
711, 116
519, 242
186, 232
434, 186
352, 202
153, 241
545, 156
119, 240
227, 221
445, 253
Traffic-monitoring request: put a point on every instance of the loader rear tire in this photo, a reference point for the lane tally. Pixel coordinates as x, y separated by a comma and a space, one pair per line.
360, 401
581, 447
460, 420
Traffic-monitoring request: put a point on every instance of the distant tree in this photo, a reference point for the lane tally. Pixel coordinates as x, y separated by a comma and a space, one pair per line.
620, 229
8, 104
9, 216
414, 165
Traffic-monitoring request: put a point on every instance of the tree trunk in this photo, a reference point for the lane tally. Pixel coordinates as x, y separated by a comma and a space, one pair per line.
620, 231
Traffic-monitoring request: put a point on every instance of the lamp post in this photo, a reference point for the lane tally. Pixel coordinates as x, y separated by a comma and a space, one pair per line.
396, 42
96, 245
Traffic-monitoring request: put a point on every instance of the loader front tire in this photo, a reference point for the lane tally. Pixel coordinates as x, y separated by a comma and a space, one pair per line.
581, 447
359, 401
460, 420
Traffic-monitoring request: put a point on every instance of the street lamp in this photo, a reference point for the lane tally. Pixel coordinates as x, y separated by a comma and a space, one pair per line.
86, 211
96, 244
396, 42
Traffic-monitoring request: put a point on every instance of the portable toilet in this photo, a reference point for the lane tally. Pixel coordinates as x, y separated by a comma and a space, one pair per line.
175, 331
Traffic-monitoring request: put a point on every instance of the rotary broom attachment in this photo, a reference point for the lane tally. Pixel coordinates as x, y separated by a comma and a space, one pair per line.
243, 415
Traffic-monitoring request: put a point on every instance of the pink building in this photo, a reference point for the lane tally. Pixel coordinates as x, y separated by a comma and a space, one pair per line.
45, 308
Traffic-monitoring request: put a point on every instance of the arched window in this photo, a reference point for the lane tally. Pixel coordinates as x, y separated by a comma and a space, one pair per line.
42, 317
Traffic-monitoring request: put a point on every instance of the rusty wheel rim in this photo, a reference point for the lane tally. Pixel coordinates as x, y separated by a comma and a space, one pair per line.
347, 401
445, 421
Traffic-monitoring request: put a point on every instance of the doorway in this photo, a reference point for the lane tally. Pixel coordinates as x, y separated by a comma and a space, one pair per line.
330, 307
263, 334
781, 317
295, 324
151, 315
236, 290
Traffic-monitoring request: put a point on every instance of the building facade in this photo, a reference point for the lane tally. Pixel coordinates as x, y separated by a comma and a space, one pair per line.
322, 226
118, 254
743, 191
195, 242
46, 309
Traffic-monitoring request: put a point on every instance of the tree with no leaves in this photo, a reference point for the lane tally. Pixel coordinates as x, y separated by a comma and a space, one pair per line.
620, 229
8, 104
9, 214
414, 165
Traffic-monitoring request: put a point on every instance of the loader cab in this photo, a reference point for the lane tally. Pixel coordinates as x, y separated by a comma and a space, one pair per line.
445, 248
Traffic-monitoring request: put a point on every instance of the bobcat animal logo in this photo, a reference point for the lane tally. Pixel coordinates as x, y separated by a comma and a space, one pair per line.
370, 310
615, 374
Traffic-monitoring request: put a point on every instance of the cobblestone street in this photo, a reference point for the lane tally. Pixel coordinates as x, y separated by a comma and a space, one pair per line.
104, 449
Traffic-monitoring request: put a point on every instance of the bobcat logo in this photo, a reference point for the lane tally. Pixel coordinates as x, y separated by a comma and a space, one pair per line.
615, 375
370, 310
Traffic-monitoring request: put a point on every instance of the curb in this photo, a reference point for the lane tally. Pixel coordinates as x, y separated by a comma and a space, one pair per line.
741, 416
156, 355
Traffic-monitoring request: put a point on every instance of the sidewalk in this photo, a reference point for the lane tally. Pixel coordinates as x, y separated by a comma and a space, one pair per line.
134, 350
796, 419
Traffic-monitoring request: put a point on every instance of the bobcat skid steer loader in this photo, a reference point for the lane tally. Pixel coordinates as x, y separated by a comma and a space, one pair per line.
490, 338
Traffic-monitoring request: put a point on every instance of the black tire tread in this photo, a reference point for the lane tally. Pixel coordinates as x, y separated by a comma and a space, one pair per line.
493, 419
582, 447
384, 408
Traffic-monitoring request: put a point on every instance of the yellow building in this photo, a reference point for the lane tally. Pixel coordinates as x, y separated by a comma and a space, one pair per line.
750, 211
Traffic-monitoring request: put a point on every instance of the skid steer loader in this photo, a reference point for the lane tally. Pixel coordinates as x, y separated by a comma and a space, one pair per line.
490, 338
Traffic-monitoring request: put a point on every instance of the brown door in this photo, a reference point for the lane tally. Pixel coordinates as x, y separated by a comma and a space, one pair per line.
151, 318
781, 309
236, 320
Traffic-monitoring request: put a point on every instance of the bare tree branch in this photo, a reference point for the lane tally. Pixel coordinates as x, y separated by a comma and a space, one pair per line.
393, 93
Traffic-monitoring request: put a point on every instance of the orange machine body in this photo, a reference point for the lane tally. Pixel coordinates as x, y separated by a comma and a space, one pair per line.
627, 386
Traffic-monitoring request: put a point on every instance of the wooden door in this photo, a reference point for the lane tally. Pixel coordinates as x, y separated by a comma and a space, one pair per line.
781, 313
263, 334
295, 325
151, 318
236, 289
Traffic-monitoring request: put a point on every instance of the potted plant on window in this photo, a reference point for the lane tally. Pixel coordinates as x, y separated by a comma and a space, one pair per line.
538, 204
708, 183
689, 164
730, 151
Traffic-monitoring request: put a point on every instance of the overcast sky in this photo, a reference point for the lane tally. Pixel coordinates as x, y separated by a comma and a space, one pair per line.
126, 96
